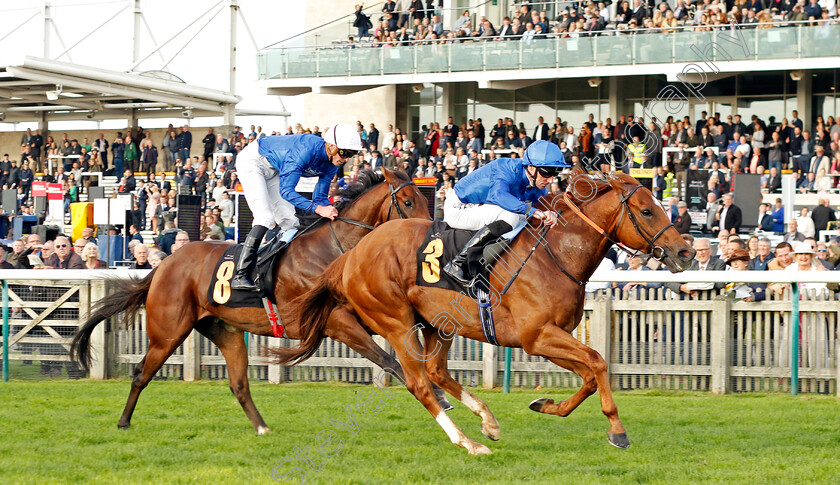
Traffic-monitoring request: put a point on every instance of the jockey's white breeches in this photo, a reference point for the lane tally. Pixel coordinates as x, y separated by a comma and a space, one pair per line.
473, 217
261, 185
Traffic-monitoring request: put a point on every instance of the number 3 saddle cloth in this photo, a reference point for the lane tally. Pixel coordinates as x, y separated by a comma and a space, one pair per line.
441, 244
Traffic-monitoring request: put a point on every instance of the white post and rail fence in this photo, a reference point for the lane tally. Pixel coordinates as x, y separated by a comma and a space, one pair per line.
651, 339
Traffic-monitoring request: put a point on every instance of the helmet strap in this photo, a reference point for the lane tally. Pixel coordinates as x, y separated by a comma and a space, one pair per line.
532, 179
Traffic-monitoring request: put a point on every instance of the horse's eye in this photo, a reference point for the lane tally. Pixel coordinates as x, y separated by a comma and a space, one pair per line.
647, 213
408, 203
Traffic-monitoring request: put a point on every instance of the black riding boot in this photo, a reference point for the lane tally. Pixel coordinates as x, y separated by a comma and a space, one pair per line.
457, 267
247, 258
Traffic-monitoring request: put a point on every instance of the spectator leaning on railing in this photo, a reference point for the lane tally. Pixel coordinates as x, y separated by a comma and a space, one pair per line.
703, 262
635, 263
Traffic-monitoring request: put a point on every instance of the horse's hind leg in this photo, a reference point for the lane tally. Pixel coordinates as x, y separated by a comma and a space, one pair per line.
393, 321
159, 351
231, 342
344, 327
420, 386
438, 372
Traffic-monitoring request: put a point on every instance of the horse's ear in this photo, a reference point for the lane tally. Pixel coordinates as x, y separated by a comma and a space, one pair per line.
389, 175
617, 184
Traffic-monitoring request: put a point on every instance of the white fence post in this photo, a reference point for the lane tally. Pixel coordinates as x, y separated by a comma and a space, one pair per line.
276, 374
837, 367
94, 292
600, 327
721, 343
490, 354
192, 357
380, 379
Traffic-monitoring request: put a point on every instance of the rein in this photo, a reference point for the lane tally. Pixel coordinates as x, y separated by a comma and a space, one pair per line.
539, 241
656, 251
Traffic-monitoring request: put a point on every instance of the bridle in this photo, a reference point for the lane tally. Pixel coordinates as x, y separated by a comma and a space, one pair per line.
394, 203
657, 252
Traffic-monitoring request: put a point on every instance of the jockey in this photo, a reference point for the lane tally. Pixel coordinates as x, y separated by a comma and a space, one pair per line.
269, 169
499, 191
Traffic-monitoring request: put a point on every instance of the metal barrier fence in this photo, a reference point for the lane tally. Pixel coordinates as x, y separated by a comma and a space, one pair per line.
799, 41
653, 341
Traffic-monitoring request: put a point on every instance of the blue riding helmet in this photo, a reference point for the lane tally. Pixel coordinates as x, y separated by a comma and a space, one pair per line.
546, 157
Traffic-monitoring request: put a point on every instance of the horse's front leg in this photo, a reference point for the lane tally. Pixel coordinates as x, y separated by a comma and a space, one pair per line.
563, 349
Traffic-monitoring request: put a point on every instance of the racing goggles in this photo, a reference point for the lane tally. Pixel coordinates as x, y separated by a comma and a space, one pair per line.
346, 152
548, 171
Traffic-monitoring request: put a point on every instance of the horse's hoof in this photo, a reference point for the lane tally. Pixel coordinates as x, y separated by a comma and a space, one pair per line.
123, 426
263, 430
491, 431
537, 404
619, 440
479, 449
445, 405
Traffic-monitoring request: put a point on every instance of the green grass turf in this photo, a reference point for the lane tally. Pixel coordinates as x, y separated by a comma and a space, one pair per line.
65, 432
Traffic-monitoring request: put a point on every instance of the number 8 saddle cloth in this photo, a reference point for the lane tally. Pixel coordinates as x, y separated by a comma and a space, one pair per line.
220, 293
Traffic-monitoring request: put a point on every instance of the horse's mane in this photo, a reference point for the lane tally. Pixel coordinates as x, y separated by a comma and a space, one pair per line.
368, 179
600, 184
582, 192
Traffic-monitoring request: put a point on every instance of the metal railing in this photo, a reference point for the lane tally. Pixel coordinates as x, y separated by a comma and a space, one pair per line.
613, 48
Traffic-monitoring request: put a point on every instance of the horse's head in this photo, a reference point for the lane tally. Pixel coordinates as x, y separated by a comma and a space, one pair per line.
402, 199
378, 202
376, 198
644, 226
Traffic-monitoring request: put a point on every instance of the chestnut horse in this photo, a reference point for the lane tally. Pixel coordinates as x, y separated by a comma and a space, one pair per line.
175, 293
538, 313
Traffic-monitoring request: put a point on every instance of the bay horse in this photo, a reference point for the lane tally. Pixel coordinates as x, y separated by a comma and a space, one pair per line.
538, 313
176, 301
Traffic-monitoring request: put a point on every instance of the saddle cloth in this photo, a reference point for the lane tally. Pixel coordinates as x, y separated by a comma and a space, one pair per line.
220, 292
441, 244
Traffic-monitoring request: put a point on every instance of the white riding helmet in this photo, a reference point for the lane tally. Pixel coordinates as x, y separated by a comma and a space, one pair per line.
344, 136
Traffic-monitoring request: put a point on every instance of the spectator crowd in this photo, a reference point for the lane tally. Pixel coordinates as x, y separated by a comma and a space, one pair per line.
211, 175
415, 21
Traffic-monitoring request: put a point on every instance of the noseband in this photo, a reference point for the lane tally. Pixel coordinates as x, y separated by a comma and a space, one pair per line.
657, 252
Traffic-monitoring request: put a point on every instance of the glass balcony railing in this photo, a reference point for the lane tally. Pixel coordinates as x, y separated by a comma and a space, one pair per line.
792, 42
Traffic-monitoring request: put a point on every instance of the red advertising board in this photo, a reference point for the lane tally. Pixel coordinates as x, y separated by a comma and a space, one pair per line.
39, 189
54, 192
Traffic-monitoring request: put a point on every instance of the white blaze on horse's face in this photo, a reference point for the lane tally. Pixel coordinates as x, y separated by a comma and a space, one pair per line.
661, 206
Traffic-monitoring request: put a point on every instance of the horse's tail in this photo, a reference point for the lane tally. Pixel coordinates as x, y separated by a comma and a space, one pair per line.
311, 311
128, 297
